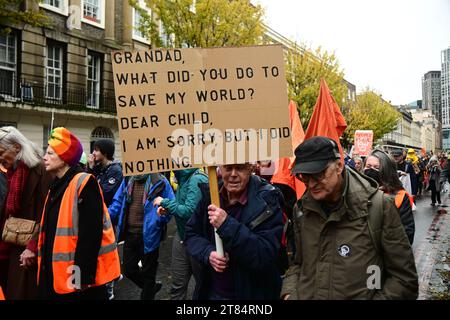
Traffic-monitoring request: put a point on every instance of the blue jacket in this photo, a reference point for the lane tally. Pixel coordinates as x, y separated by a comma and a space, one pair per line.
153, 223
253, 244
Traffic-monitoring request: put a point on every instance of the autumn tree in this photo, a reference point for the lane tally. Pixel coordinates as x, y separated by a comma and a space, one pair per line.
370, 112
304, 69
11, 13
201, 23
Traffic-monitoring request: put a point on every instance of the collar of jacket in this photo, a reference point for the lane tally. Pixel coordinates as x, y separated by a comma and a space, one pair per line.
357, 192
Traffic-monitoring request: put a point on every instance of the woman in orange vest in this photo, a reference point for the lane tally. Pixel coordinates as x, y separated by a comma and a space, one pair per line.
383, 169
77, 253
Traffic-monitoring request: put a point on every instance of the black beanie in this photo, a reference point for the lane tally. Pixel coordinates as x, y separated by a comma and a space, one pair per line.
106, 147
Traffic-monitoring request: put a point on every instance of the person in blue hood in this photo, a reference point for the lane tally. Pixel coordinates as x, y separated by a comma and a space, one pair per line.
187, 198
141, 228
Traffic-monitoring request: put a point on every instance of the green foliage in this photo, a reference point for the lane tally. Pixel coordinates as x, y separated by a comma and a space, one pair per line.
10, 14
304, 69
370, 112
212, 23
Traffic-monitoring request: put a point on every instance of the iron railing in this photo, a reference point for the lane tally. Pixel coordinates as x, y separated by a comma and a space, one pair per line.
53, 96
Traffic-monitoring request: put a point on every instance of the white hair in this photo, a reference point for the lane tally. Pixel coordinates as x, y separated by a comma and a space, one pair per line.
29, 152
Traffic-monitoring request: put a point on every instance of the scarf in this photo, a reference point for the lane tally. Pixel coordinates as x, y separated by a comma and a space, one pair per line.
147, 187
16, 182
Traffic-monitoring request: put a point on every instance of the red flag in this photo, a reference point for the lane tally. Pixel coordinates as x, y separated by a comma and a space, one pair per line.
2, 297
283, 166
327, 119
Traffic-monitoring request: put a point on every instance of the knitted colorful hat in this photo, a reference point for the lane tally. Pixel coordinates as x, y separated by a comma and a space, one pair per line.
66, 145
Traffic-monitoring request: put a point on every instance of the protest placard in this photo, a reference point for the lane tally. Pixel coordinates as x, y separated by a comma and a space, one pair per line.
363, 142
181, 108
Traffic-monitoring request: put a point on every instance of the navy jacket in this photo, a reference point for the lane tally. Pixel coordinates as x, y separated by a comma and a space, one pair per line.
109, 178
253, 244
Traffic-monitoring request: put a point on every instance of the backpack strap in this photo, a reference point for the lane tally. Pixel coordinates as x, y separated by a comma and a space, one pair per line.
375, 219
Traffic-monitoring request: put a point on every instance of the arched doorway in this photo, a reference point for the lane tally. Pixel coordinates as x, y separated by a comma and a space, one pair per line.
100, 133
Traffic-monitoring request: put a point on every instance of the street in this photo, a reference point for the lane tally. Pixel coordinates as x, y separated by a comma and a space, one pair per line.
431, 251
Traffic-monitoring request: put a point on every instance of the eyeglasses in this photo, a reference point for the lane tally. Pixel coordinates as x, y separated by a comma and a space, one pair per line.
317, 177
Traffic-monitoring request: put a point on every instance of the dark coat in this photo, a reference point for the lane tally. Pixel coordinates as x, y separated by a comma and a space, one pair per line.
109, 178
407, 218
22, 282
253, 248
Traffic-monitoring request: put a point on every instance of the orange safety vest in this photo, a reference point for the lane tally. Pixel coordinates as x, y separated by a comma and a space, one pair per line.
66, 237
2, 296
400, 196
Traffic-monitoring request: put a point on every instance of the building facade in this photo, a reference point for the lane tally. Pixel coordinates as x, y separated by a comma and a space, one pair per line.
61, 75
445, 97
431, 93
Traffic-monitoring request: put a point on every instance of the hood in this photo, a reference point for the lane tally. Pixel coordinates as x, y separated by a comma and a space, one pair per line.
183, 175
358, 190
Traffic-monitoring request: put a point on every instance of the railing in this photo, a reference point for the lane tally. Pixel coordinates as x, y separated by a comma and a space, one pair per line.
50, 95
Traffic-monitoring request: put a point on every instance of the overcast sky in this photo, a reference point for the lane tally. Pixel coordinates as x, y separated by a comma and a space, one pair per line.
385, 44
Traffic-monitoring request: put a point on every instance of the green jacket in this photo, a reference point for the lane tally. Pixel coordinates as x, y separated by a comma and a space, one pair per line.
187, 197
335, 255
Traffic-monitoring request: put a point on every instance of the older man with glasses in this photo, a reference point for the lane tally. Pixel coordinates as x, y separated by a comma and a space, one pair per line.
249, 222
351, 243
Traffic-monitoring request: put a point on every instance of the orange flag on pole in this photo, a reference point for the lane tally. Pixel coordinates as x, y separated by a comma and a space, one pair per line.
327, 119
2, 297
283, 166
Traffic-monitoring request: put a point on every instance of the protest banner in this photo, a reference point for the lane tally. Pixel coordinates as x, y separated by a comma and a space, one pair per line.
363, 142
182, 108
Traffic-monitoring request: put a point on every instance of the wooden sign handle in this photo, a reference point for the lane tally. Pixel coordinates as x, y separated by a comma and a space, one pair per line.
215, 200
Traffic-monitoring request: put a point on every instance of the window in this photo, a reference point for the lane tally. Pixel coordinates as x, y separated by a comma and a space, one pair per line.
137, 17
93, 80
58, 6
94, 12
8, 64
168, 40
54, 72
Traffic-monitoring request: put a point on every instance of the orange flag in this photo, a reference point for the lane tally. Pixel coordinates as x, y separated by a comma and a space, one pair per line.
423, 152
283, 166
327, 119
2, 297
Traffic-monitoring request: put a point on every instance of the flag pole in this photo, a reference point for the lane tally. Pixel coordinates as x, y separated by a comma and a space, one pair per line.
214, 192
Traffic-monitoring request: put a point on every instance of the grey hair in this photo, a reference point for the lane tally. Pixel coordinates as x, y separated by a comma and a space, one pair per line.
29, 152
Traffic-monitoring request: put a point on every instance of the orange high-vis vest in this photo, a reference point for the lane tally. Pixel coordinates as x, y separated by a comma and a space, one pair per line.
400, 196
66, 237
2, 296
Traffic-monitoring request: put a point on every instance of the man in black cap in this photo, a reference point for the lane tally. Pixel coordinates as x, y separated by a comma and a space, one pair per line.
399, 159
349, 237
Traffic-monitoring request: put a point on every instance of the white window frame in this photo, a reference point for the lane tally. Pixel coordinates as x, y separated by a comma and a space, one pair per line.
102, 8
94, 81
11, 69
47, 69
63, 9
134, 31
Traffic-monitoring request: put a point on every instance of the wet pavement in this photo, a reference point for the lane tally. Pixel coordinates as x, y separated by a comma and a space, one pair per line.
431, 250
127, 290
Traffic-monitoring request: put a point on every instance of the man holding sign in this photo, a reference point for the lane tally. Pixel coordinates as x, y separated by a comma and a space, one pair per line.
249, 222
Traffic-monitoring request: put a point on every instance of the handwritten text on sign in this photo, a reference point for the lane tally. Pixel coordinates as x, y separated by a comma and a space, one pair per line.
180, 108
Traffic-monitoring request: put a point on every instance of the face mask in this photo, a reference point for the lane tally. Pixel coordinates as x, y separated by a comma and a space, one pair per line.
373, 173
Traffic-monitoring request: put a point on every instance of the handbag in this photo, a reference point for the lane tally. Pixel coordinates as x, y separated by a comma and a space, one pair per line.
19, 231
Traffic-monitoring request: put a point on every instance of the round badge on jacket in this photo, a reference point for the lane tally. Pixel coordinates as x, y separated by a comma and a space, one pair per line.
112, 180
344, 250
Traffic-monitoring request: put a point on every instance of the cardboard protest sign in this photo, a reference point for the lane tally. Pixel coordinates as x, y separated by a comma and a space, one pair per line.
181, 108
363, 142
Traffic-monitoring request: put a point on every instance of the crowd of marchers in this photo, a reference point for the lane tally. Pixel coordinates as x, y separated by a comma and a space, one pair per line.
348, 236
